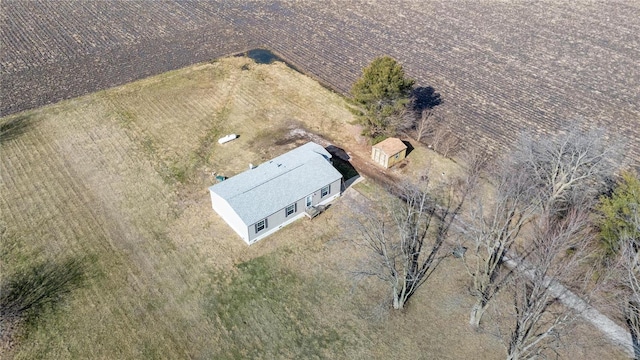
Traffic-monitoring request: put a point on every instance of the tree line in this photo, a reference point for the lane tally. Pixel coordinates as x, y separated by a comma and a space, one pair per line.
555, 212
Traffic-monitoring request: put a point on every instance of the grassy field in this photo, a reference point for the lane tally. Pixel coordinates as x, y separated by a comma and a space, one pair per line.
116, 182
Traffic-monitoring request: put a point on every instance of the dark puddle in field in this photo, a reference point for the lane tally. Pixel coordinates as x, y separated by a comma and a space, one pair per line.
264, 56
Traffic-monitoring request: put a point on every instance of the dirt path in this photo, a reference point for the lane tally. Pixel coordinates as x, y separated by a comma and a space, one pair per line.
614, 332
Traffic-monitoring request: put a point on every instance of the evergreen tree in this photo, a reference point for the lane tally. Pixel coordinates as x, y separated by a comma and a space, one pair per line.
380, 95
618, 212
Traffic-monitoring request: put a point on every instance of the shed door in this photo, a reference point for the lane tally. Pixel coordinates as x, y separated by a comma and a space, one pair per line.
376, 156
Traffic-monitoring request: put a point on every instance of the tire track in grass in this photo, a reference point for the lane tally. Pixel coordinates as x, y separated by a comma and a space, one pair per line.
163, 259
58, 192
170, 125
149, 285
54, 199
12, 184
37, 209
46, 181
135, 247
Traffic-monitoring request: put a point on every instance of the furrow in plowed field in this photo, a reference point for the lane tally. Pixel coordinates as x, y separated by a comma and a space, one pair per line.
523, 74
501, 67
95, 45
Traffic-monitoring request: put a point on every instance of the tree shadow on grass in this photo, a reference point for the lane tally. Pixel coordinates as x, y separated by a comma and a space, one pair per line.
25, 294
14, 127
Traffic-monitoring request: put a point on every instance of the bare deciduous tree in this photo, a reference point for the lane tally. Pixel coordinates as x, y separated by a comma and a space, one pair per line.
547, 176
405, 240
494, 226
429, 127
424, 125
568, 168
445, 141
554, 257
400, 122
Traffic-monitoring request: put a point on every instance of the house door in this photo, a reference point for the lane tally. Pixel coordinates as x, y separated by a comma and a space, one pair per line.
309, 200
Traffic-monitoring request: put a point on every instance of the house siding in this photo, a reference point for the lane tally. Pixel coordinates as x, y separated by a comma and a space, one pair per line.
222, 207
334, 190
276, 221
279, 219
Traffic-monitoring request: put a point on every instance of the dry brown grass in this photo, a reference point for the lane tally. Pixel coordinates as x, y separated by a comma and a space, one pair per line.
121, 176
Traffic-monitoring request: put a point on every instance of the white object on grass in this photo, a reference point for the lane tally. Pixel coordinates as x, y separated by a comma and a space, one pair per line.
227, 138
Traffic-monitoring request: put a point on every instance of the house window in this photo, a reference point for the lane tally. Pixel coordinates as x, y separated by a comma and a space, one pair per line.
261, 225
397, 156
289, 210
325, 191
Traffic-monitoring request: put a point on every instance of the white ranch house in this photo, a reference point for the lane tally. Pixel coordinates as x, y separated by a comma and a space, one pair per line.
261, 200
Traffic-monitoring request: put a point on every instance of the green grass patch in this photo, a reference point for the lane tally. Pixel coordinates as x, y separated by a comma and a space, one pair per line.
368, 189
204, 152
266, 137
265, 311
125, 117
183, 170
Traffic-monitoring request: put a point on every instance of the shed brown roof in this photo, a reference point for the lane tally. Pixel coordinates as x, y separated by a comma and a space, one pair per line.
391, 146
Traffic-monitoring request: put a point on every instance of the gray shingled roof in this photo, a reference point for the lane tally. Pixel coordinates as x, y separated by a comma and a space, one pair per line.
269, 187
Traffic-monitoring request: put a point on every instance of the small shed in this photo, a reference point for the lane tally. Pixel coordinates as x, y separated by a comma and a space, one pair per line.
389, 152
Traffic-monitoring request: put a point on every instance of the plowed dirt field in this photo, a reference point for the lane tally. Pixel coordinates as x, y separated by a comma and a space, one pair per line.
500, 66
